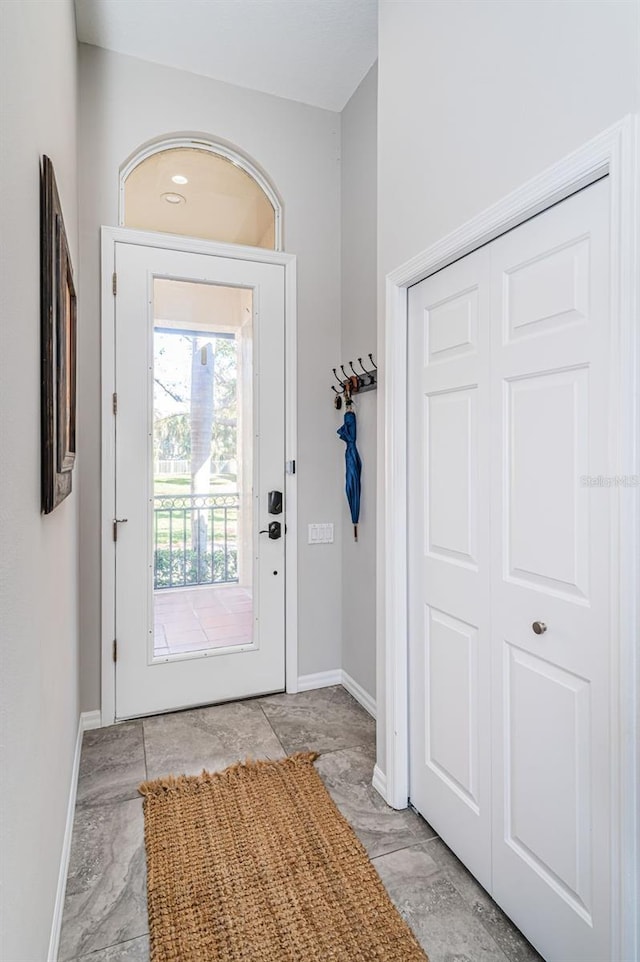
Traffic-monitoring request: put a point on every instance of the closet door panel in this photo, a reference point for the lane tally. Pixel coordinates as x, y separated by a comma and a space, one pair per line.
550, 582
449, 557
451, 475
546, 520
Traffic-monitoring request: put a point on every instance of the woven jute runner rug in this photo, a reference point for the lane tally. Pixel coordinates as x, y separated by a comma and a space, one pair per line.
257, 864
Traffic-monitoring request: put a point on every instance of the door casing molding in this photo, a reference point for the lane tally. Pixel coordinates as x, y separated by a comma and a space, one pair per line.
614, 153
110, 236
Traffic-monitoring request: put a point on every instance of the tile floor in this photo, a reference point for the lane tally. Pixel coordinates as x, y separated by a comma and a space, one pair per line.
105, 918
192, 619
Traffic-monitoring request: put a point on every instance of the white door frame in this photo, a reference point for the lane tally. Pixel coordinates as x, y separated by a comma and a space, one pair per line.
614, 152
110, 236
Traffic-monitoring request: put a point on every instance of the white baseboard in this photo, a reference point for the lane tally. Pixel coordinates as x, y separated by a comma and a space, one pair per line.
56, 923
90, 720
87, 721
379, 782
321, 679
325, 679
358, 692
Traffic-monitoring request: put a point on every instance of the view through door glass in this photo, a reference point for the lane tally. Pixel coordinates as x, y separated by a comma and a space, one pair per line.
202, 467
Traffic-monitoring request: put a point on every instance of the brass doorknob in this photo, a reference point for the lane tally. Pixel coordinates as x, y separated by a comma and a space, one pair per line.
539, 627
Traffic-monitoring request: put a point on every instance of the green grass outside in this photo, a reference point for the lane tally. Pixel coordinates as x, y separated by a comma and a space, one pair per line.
181, 484
180, 527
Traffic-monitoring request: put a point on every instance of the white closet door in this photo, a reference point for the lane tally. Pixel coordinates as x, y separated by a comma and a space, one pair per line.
551, 545
510, 624
449, 557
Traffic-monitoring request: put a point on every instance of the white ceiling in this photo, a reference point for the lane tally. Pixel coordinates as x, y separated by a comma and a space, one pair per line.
314, 51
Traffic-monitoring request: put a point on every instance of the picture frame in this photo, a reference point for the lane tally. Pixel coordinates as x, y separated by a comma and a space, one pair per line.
58, 347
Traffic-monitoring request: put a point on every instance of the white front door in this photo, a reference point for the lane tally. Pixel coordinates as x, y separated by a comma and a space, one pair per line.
510, 629
199, 375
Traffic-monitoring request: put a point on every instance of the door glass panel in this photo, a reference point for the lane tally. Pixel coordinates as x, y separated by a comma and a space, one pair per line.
202, 525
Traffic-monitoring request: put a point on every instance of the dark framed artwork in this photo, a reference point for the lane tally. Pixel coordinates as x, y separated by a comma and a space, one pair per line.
58, 337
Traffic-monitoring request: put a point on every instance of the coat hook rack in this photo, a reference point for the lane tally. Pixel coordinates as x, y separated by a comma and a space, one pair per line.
359, 382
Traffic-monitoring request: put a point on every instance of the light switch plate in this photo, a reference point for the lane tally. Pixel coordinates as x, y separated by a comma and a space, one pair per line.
321, 533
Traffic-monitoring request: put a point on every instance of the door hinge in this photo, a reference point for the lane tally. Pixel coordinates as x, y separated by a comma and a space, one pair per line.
114, 283
290, 467
114, 401
115, 650
116, 522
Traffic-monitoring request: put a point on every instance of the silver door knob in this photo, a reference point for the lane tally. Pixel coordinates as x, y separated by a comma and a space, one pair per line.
539, 627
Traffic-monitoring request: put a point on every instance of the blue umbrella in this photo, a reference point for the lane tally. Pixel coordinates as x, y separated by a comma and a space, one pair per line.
353, 468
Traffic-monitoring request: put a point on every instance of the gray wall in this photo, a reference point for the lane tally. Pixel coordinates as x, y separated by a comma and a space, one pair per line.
39, 557
125, 102
359, 205
475, 99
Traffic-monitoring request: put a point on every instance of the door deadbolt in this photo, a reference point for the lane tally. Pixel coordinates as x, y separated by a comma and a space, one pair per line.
539, 627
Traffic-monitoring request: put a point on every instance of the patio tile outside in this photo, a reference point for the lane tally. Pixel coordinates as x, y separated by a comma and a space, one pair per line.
192, 619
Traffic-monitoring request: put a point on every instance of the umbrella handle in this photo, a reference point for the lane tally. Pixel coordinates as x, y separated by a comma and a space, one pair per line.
348, 397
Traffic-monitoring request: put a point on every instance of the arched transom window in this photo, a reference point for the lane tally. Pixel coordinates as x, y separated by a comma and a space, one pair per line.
200, 190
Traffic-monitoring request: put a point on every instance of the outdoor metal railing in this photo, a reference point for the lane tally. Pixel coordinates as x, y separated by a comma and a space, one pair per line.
195, 539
